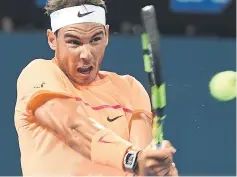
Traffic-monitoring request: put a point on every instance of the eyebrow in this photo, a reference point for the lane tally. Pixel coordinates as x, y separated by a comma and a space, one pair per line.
67, 35
98, 33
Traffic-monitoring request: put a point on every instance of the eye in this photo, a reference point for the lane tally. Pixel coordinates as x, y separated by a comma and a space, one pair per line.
74, 42
95, 39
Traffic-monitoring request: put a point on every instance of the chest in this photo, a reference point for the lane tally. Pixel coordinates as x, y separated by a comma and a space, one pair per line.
108, 106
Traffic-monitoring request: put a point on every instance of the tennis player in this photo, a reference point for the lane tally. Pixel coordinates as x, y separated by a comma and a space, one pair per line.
74, 119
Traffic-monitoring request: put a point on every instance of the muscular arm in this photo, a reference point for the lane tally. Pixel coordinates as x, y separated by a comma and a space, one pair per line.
81, 133
47, 96
141, 121
141, 131
60, 116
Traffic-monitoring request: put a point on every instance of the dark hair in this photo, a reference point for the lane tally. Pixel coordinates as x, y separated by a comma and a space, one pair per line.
54, 5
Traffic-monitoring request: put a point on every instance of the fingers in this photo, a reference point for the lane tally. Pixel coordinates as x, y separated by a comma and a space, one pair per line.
162, 155
158, 166
167, 144
158, 161
173, 171
152, 168
164, 144
157, 172
162, 172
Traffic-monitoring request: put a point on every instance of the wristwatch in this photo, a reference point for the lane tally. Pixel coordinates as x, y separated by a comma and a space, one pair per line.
130, 161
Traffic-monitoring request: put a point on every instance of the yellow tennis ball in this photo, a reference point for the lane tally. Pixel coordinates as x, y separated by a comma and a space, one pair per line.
223, 86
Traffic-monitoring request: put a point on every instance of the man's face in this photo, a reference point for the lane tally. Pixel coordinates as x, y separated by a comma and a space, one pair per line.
79, 50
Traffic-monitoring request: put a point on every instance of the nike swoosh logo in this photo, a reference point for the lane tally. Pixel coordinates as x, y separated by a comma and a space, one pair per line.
82, 15
113, 119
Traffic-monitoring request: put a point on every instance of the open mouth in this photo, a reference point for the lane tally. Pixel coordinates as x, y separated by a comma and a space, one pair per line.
84, 70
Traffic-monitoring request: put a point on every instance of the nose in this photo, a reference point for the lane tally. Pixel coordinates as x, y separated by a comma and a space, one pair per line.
85, 53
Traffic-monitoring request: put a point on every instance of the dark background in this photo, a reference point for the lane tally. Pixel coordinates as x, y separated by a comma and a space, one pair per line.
26, 15
194, 47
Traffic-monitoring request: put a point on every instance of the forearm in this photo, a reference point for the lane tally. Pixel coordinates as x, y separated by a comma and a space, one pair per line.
140, 130
82, 134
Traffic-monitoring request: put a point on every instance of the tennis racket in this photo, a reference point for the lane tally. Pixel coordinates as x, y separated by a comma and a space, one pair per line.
152, 63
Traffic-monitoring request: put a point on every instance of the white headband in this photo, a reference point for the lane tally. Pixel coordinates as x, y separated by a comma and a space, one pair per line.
77, 14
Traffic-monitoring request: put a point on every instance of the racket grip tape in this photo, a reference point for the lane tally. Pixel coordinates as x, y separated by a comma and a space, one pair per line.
147, 63
146, 55
145, 41
158, 96
157, 131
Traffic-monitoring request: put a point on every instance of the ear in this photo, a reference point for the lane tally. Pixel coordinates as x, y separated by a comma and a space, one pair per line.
107, 33
51, 39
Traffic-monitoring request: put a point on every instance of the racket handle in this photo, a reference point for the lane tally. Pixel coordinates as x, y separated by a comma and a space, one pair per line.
157, 129
158, 146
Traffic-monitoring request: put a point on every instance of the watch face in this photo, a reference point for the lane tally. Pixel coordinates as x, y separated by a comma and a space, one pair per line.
130, 160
